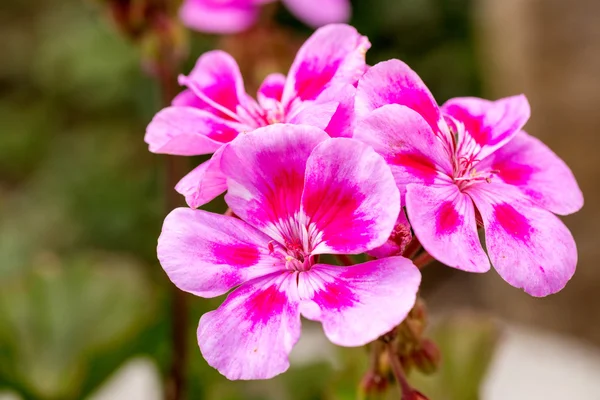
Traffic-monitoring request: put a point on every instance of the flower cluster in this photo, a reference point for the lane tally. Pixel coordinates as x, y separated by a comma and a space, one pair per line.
332, 159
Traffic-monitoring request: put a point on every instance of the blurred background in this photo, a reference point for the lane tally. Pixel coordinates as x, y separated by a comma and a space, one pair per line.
85, 309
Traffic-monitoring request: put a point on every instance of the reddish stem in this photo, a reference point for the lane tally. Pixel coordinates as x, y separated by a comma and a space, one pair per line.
412, 248
175, 168
423, 260
344, 259
398, 371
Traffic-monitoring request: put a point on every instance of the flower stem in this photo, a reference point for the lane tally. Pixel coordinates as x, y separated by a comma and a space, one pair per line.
175, 168
344, 259
423, 260
398, 371
412, 248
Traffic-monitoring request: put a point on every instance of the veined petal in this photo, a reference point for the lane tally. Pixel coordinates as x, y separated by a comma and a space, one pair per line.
252, 333
401, 236
318, 13
334, 54
203, 183
350, 198
529, 247
407, 143
265, 175
208, 254
215, 16
538, 172
443, 220
360, 303
187, 131
271, 90
217, 81
491, 124
393, 82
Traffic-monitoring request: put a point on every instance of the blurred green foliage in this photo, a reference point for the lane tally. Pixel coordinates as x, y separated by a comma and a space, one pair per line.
81, 199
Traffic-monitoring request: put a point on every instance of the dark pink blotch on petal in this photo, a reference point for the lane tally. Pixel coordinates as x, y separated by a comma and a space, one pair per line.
236, 254
448, 220
333, 55
350, 197
514, 223
360, 303
251, 335
513, 173
416, 164
393, 82
443, 219
528, 246
538, 172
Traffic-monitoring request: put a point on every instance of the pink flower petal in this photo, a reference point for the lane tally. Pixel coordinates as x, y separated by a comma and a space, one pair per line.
407, 143
333, 55
317, 13
360, 303
529, 247
252, 333
491, 124
350, 197
217, 16
342, 122
393, 82
271, 90
203, 183
443, 220
313, 113
540, 174
265, 174
217, 81
401, 236
187, 131
208, 254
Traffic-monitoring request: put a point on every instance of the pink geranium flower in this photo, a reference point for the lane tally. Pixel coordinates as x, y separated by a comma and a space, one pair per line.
299, 194
469, 164
215, 108
232, 16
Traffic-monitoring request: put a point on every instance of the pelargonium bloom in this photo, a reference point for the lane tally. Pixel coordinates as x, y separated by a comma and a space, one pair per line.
299, 194
232, 16
214, 109
469, 163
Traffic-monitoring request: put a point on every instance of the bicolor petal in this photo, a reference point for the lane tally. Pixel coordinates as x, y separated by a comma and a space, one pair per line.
529, 247
527, 163
443, 220
393, 82
333, 55
491, 124
405, 140
265, 174
251, 335
204, 183
187, 131
350, 198
216, 16
217, 81
207, 254
358, 304
318, 13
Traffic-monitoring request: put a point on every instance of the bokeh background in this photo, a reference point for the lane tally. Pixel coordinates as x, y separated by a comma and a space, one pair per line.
85, 309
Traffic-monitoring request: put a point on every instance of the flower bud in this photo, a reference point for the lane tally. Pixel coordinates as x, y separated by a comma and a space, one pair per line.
414, 395
427, 358
372, 384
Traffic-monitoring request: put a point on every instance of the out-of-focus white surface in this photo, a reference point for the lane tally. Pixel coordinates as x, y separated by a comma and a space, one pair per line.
137, 379
531, 365
6, 395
